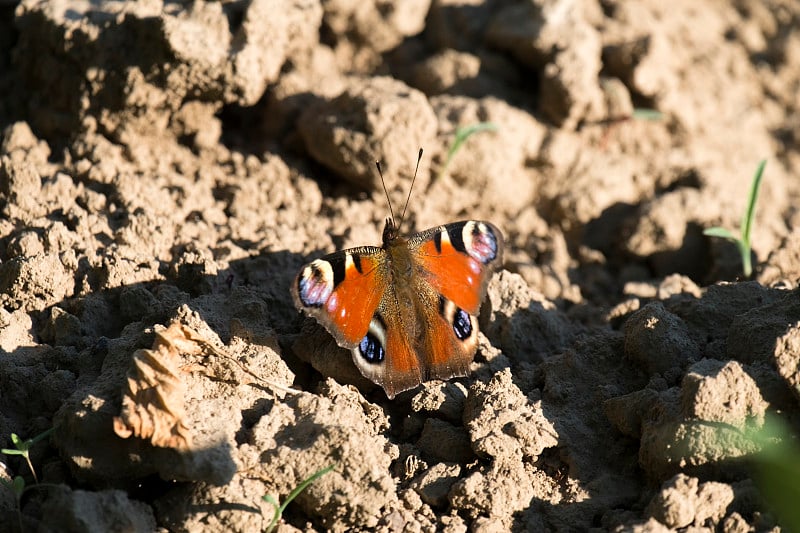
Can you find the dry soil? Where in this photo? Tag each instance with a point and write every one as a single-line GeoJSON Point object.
{"type": "Point", "coordinates": [167, 167]}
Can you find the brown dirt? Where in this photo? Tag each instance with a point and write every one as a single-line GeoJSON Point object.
{"type": "Point", "coordinates": [178, 162]}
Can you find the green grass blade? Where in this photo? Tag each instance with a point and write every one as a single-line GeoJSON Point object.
{"type": "Point", "coordinates": [292, 495]}
{"type": "Point", "coordinates": [461, 135]}
{"type": "Point", "coordinates": [464, 133]}
{"type": "Point", "coordinates": [749, 214]}
{"type": "Point", "coordinates": [747, 263]}
{"type": "Point", "coordinates": [276, 512]}
{"type": "Point", "coordinates": [646, 114]}
{"type": "Point", "coordinates": [40, 436]}
{"type": "Point", "coordinates": [301, 487]}
{"type": "Point", "coordinates": [721, 232]}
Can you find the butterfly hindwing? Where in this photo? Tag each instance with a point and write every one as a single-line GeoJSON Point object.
{"type": "Point", "coordinates": [342, 291]}
{"type": "Point", "coordinates": [386, 355]}
{"type": "Point", "coordinates": [416, 335]}
{"type": "Point", "coordinates": [451, 341]}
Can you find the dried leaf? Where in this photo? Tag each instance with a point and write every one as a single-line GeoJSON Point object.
{"type": "Point", "coordinates": [152, 407]}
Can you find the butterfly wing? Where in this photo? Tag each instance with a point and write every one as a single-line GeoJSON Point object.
{"type": "Point", "coordinates": [387, 354]}
{"type": "Point", "coordinates": [352, 293]}
{"type": "Point", "coordinates": [458, 260]}
{"type": "Point", "coordinates": [343, 290]}
{"type": "Point", "coordinates": [450, 342]}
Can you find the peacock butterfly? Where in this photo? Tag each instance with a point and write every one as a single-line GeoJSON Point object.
{"type": "Point", "coordinates": [407, 309]}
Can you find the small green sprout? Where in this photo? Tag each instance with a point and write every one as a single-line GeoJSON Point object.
{"type": "Point", "coordinates": [17, 488]}
{"type": "Point", "coordinates": [23, 448]}
{"type": "Point", "coordinates": [778, 470]}
{"type": "Point", "coordinates": [462, 134]}
{"type": "Point", "coordinates": [772, 457]}
{"type": "Point", "coordinates": [279, 508]}
{"type": "Point", "coordinates": [743, 241]}
{"type": "Point", "coordinates": [17, 485]}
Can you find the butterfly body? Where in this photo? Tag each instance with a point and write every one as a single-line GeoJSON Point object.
{"type": "Point", "coordinates": [406, 310]}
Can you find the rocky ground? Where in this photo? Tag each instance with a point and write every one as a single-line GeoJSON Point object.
{"type": "Point", "coordinates": [166, 168]}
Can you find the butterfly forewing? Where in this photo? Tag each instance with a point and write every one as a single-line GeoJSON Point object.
{"type": "Point", "coordinates": [458, 260]}
{"type": "Point", "coordinates": [342, 291]}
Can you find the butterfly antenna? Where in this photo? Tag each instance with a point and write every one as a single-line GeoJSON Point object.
{"type": "Point", "coordinates": [403, 216]}
{"type": "Point", "coordinates": [383, 182]}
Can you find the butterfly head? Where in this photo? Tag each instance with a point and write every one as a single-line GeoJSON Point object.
{"type": "Point", "coordinates": [391, 231]}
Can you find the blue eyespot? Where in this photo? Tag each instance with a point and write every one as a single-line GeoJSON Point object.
{"type": "Point", "coordinates": [462, 325]}
{"type": "Point", "coordinates": [371, 349]}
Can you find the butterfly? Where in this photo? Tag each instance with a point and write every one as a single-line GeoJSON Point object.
{"type": "Point", "coordinates": [408, 309]}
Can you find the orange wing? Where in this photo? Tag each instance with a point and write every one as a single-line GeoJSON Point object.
{"type": "Point", "coordinates": [450, 342]}
{"type": "Point", "coordinates": [386, 355]}
{"type": "Point", "coordinates": [342, 291]}
{"type": "Point", "coordinates": [458, 259]}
